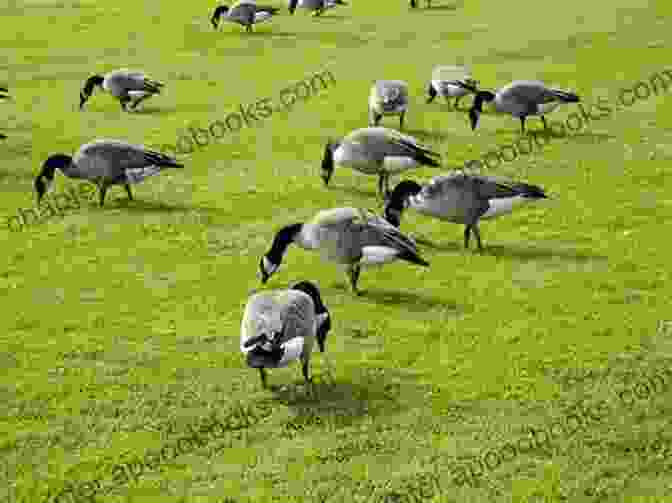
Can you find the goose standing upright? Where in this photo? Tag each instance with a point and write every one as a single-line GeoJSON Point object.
{"type": "Point", "coordinates": [244, 12]}
{"type": "Point", "coordinates": [520, 98]}
{"type": "Point", "coordinates": [280, 326]}
{"type": "Point", "coordinates": [461, 198]}
{"type": "Point", "coordinates": [346, 236]}
{"type": "Point", "coordinates": [388, 97]}
{"type": "Point", "coordinates": [125, 85]}
{"type": "Point", "coordinates": [105, 163]}
{"type": "Point", "coordinates": [317, 6]}
{"type": "Point", "coordinates": [4, 96]}
{"type": "Point", "coordinates": [440, 83]}
{"type": "Point", "coordinates": [376, 151]}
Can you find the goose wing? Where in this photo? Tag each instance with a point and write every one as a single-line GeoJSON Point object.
{"type": "Point", "coordinates": [110, 159]}
{"type": "Point", "coordinates": [376, 231]}
{"type": "Point", "coordinates": [381, 142]}
{"type": "Point", "coordinates": [528, 91]}
{"type": "Point", "coordinates": [491, 187]}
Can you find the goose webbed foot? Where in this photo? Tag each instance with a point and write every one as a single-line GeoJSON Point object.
{"type": "Point", "coordinates": [353, 276]}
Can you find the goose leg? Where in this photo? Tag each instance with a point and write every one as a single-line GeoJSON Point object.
{"type": "Point", "coordinates": [135, 104]}
{"type": "Point", "coordinates": [522, 125]}
{"type": "Point", "coordinates": [401, 120]}
{"type": "Point", "coordinates": [387, 186]}
{"type": "Point", "coordinates": [543, 120]}
{"type": "Point", "coordinates": [456, 105]}
{"type": "Point", "coordinates": [353, 276]}
{"type": "Point", "coordinates": [305, 368]}
{"type": "Point", "coordinates": [262, 373]}
{"type": "Point", "coordinates": [376, 118]}
{"type": "Point", "coordinates": [128, 191]}
{"type": "Point", "coordinates": [477, 233]}
{"type": "Point", "coordinates": [103, 190]}
{"type": "Point", "coordinates": [467, 235]}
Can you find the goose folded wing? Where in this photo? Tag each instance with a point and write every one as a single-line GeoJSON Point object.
{"type": "Point", "coordinates": [490, 187]}
{"type": "Point", "coordinates": [124, 155]}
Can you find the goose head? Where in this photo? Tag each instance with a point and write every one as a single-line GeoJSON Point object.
{"type": "Point", "coordinates": [220, 11]}
{"type": "Point", "coordinates": [46, 177]}
{"type": "Point", "coordinates": [87, 91]}
{"type": "Point", "coordinates": [328, 162]}
{"type": "Point", "coordinates": [398, 200]}
{"type": "Point", "coordinates": [270, 262]}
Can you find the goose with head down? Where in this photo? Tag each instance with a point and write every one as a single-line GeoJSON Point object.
{"type": "Point", "coordinates": [349, 237]}
{"type": "Point", "coordinates": [520, 98]}
{"type": "Point", "coordinates": [318, 7]}
{"type": "Point", "coordinates": [105, 163]}
{"type": "Point", "coordinates": [126, 85]}
{"type": "Point", "coordinates": [461, 198]}
{"type": "Point", "coordinates": [281, 326]}
{"type": "Point", "coordinates": [388, 97]}
{"type": "Point", "coordinates": [245, 13]}
{"type": "Point", "coordinates": [376, 151]}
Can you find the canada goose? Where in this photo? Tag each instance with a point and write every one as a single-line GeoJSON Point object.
{"type": "Point", "coordinates": [4, 96]}
{"type": "Point", "coordinates": [388, 97]}
{"type": "Point", "coordinates": [440, 83]}
{"type": "Point", "coordinates": [347, 236]}
{"type": "Point", "coordinates": [125, 85]}
{"type": "Point", "coordinates": [105, 163]}
{"type": "Point", "coordinates": [281, 326]}
{"type": "Point", "coordinates": [317, 6]}
{"type": "Point", "coordinates": [461, 198]}
{"type": "Point", "coordinates": [520, 98]}
{"type": "Point", "coordinates": [245, 12]}
{"type": "Point", "coordinates": [376, 151]}
{"type": "Point", "coordinates": [414, 4]}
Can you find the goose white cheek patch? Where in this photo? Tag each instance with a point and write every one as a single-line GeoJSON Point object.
{"type": "Point", "coordinates": [293, 349]}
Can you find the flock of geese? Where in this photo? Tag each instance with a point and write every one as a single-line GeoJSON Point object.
{"type": "Point", "coordinates": [279, 327]}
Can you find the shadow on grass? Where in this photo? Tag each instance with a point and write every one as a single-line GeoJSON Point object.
{"type": "Point", "coordinates": [413, 301]}
{"type": "Point", "coordinates": [531, 253]}
{"type": "Point", "coordinates": [428, 136]}
{"type": "Point", "coordinates": [150, 206]}
{"type": "Point", "coordinates": [154, 110]}
{"type": "Point", "coordinates": [357, 192]}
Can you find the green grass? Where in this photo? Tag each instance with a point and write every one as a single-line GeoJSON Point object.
{"type": "Point", "coordinates": [121, 319]}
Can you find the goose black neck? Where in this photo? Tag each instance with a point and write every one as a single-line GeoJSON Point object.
{"type": "Point", "coordinates": [482, 96]}
{"type": "Point", "coordinates": [92, 82]}
{"type": "Point", "coordinates": [219, 11]}
{"type": "Point", "coordinates": [282, 240]}
{"type": "Point", "coordinates": [54, 162]}
{"type": "Point", "coordinates": [328, 159]}
{"type": "Point", "coordinates": [401, 192]}
{"type": "Point", "coordinates": [311, 289]}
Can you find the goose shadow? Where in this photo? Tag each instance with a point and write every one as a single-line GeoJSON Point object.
{"type": "Point", "coordinates": [448, 246]}
{"type": "Point", "coordinates": [533, 253]}
{"type": "Point", "coordinates": [411, 301]}
{"type": "Point", "coordinates": [452, 7]}
{"type": "Point", "coordinates": [151, 206]}
{"type": "Point", "coordinates": [345, 401]}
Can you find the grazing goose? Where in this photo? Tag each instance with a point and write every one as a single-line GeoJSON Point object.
{"type": "Point", "coordinates": [347, 236]}
{"type": "Point", "coordinates": [462, 199]}
{"type": "Point", "coordinates": [388, 97]}
{"type": "Point", "coordinates": [520, 98]}
{"type": "Point", "coordinates": [245, 12]}
{"type": "Point", "coordinates": [105, 163]}
{"type": "Point", "coordinates": [317, 6]}
{"type": "Point", "coordinates": [376, 151]}
{"type": "Point", "coordinates": [440, 84]}
{"type": "Point", "coordinates": [4, 96]}
{"type": "Point", "coordinates": [281, 326]}
{"type": "Point", "coordinates": [125, 85]}
{"type": "Point", "coordinates": [414, 4]}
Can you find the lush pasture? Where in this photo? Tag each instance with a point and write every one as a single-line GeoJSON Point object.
{"type": "Point", "coordinates": [121, 320]}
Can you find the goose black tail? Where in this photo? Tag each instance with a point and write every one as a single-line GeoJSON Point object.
{"type": "Point", "coordinates": [413, 258]}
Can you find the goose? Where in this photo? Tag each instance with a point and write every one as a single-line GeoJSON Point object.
{"type": "Point", "coordinates": [4, 96]}
{"type": "Point", "coordinates": [125, 85]}
{"type": "Point", "coordinates": [520, 98]}
{"type": "Point", "coordinates": [280, 327]}
{"type": "Point", "coordinates": [245, 12]}
{"type": "Point", "coordinates": [105, 163]}
{"type": "Point", "coordinates": [349, 237]}
{"type": "Point", "coordinates": [414, 4]}
{"type": "Point", "coordinates": [376, 151]}
{"type": "Point", "coordinates": [461, 198]}
{"type": "Point", "coordinates": [388, 97]}
{"type": "Point", "coordinates": [317, 6]}
{"type": "Point", "coordinates": [440, 83]}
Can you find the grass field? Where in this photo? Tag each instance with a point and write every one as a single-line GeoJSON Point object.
{"type": "Point", "coordinates": [121, 320]}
